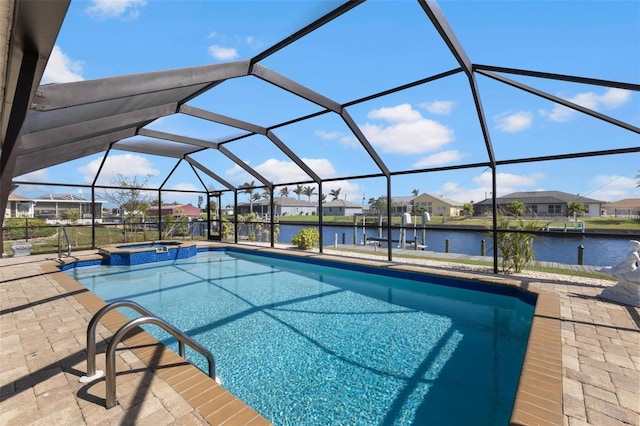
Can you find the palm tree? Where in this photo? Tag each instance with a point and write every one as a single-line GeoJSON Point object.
{"type": "Point", "coordinates": [575, 208]}
{"type": "Point", "coordinates": [309, 191]}
{"type": "Point", "coordinates": [335, 193]}
{"type": "Point", "coordinates": [515, 207]}
{"type": "Point", "coordinates": [467, 209]}
{"type": "Point", "coordinates": [248, 189]}
{"type": "Point", "coordinates": [415, 192]}
{"type": "Point", "coordinates": [372, 203]}
{"type": "Point", "coordinates": [298, 191]}
{"type": "Point", "coordinates": [255, 197]}
{"type": "Point", "coordinates": [284, 191]}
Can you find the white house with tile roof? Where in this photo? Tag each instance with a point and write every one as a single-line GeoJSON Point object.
{"type": "Point", "coordinates": [341, 208]}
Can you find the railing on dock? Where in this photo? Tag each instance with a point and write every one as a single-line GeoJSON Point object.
{"type": "Point", "coordinates": [566, 226]}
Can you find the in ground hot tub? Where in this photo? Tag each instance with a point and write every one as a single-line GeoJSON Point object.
{"type": "Point", "coordinates": [154, 251]}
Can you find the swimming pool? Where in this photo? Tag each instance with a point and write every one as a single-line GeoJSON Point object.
{"type": "Point", "coordinates": [304, 342]}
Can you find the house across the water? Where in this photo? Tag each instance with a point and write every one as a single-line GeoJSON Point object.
{"type": "Point", "coordinates": [54, 208]}
{"type": "Point", "coordinates": [542, 204]}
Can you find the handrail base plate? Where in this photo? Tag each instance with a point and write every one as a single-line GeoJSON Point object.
{"type": "Point", "coordinates": [89, 379]}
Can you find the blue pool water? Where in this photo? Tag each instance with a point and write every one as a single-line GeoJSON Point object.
{"type": "Point", "coordinates": [310, 344]}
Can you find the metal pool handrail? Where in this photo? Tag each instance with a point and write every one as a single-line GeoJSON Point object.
{"type": "Point", "coordinates": [148, 318]}
{"type": "Point", "coordinates": [66, 236]}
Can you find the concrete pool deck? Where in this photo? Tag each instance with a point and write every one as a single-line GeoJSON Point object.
{"type": "Point", "coordinates": [43, 326]}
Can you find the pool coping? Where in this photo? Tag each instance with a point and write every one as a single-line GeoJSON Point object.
{"type": "Point", "coordinates": [539, 396]}
{"type": "Point", "coordinates": [131, 247]}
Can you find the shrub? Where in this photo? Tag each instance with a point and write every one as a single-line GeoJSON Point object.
{"type": "Point", "coordinates": [227, 230]}
{"type": "Point", "coordinates": [306, 238]}
{"type": "Point", "coordinates": [14, 228]}
{"type": "Point", "coordinates": [516, 248]}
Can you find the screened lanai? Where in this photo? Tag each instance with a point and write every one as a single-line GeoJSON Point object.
{"type": "Point", "coordinates": [326, 100]}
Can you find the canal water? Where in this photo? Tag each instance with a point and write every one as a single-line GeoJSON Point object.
{"type": "Point", "coordinates": [553, 247]}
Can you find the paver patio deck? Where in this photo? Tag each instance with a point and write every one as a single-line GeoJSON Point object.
{"type": "Point", "coordinates": [43, 323]}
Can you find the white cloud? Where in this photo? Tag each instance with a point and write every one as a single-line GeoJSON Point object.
{"type": "Point", "coordinates": [612, 188]}
{"type": "Point", "coordinates": [508, 182]}
{"type": "Point", "coordinates": [441, 158]}
{"type": "Point", "coordinates": [181, 197]}
{"type": "Point", "coordinates": [281, 171]}
{"type": "Point", "coordinates": [321, 166]}
{"type": "Point", "coordinates": [348, 191]}
{"type": "Point", "coordinates": [408, 133]}
{"type": "Point", "coordinates": [346, 139]}
{"type": "Point", "coordinates": [587, 100]}
{"type": "Point", "coordinates": [123, 9]}
{"type": "Point", "coordinates": [61, 69]}
{"type": "Point", "coordinates": [185, 187]}
{"type": "Point", "coordinates": [611, 99]}
{"type": "Point", "coordinates": [238, 174]}
{"type": "Point", "coordinates": [513, 123]}
{"type": "Point", "coordinates": [223, 53]}
{"type": "Point", "coordinates": [614, 98]}
{"type": "Point", "coordinates": [438, 107]}
{"type": "Point", "coordinates": [328, 135]}
{"type": "Point", "coordinates": [227, 48]}
{"type": "Point", "coordinates": [288, 171]}
{"type": "Point", "coordinates": [559, 113]}
{"type": "Point", "coordinates": [116, 165]}
{"type": "Point", "coordinates": [455, 191]}
{"type": "Point", "coordinates": [398, 114]}
{"type": "Point", "coordinates": [37, 176]}
{"type": "Point", "coordinates": [253, 43]}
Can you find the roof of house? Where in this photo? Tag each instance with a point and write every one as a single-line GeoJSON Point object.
{"type": "Point", "coordinates": [65, 197]}
{"type": "Point", "coordinates": [624, 203]}
{"type": "Point", "coordinates": [341, 203]}
{"type": "Point", "coordinates": [542, 197]}
{"type": "Point", "coordinates": [60, 197]}
{"type": "Point", "coordinates": [16, 197]}
{"type": "Point", "coordinates": [406, 199]}
{"type": "Point", "coordinates": [187, 209]}
{"type": "Point", "coordinates": [441, 198]}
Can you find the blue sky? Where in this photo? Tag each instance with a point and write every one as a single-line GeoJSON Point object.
{"type": "Point", "coordinates": [376, 46]}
